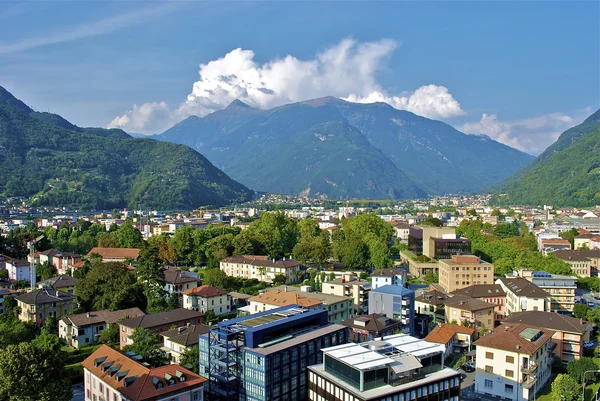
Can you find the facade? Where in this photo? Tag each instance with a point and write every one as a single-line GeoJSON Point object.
{"type": "Point", "coordinates": [62, 283]}
{"type": "Point", "coordinates": [115, 254]}
{"type": "Point", "coordinates": [370, 327]}
{"type": "Point", "coordinates": [158, 323]}
{"type": "Point", "coordinates": [338, 308]}
{"type": "Point", "coordinates": [521, 295]}
{"type": "Point", "coordinates": [207, 297]}
{"type": "Point", "coordinates": [110, 376]}
{"type": "Point", "coordinates": [569, 333]}
{"type": "Point", "coordinates": [381, 277]}
{"type": "Point", "coordinates": [462, 271]}
{"type": "Point", "coordinates": [84, 328]}
{"type": "Point", "coordinates": [18, 270]}
{"type": "Point", "coordinates": [398, 367]}
{"type": "Point", "coordinates": [63, 261]}
{"type": "Point", "coordinates": [479, 315]}
{"type": "Point", "coordinates": [260, 267]}
{"type": "Point", "coordinates": [452, 336]}
{"type": "Point", "coordinates": [401, 230]}
{"type": "Point", "coordinates": [395, 302]}
{"type": "Point", "coordinates": [177, 281]}
{"type": "Point", "coordinates": [555, 244]}
{"type": "Point", "coordinates": [268, 359]}
{"type": "Point", "coordinates": [561, 289]}
{"type": "Point", "coordinates": [584, 263]}
{"type": "Point", "coordinates": [421, 241]}
{"type": "Point", "coordinates": [491, 293]}
{"type": "Point", "coordinates": [432, 304]}
{"type": "Point", "coordinates": [416, 267]}
{"type": "Point", "coordinates": [349, 286]}
{"type": "Point", "coordinates": [514, 362]}
{"type": "Point", "coordinates": [39, 305]}
{"type": "Point", "coordinates": [178, 341]}
{"type": "Point", "coordinates": [47, 255]}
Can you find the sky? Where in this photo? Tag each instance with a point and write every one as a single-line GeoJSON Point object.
{"type": "Point", "coordinates": [519, 72]}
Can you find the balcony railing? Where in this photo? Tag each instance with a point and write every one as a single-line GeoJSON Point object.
{"type": "Point", "coordinates": [530, 369]}
{"type": "Point", "coordinates": [529, 383]}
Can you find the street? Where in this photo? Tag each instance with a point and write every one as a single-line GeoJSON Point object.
{"type": "Point", "coordinates": [78, 393]}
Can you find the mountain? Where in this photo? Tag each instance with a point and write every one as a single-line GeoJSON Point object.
{"type": "Point", "coordinates": [349, 150]}
{"type": "Point", "coordinates": [565, 174]}
{"type": "Point", "coordinates": [44, 156]}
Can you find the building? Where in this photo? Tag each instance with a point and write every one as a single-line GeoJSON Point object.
{"type": "Point", "coordinates": [178, 341]}
{"type": "Point", "coordinates": [521, 295]}
{"type": "Point", "coordinates": [477, 314]}
{"type": "Point", "coordinates": [47, 255]}
{"type": "Point", "coordinates": [584, 263]}
{"type": "Point", "coordinates": [370, 327]}
{"type": "Point", "coordinates": [338, 308]}
{"type": "Point", "coordinates": [418, 266]}
{"type": "Point", "coordinates": [555, 244]}
{"type": "Point", "coordinates": [177, 281]}
{"type": "Point", "coordinates": [437, 242]}
{"type": "Point", "coordinates": [432, 304]}
{"type": "Point", "coordinates": [110, 376]}
{"type": "Point", "coordinates": [395, 302]}
{"type": "Point", "coordinates": [452, 337]}
{"type": "Point", "coordinates": [514, 362]}
{"type": "Point", "coordinates": [62, 283]}
{"type": "Point", "coordinates": [84, 328]}
{"type": "Point", "coordinates": [491, 293]}
{"type": "Point", "coordinates": [39, 305]}
{"type": "Point", "coordinates": [268, 358]}
{"type": "Point", "coordinates": [401, 231]}
{"type": "Point", "coordinates": [260, 267]}
{"type": "Point", "coordinates": [561, 288]}
{"type": "Point", "coordinates": [207, 297]}
{"type": "Point", "coordinates": [569, 333]}
{"type": "Point", "coordinates": [349, 286]}
{"type": "Point", "coordinates": [3, 293]}
{"type": "Point", "coordinates": [18, 270]}
{"type": "Point", "coordinates": [462, 271]}
{"type": "Point", "coordinates": [63, 261]}
{"type": "Point", "coordinates": [382, 277]}
{"type": "Point", "coordinates": [398, 367]}
{"type": "Point", "coordinates": [158, 323]}
{"type": "Point", "coordinates": [121, 255]}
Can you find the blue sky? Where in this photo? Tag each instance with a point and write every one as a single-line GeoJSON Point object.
{"type": "Point", "coordinates": [520, 72]}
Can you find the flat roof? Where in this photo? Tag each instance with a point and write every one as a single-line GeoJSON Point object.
{"type": "Point", "coordinates": [297, 339]}
{"type": "Point", "coordinates": [359, 357]}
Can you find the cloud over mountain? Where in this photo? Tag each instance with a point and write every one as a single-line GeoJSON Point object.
{"type": "Point", "coordinates": [346, 70]}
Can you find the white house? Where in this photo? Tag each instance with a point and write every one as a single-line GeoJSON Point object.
{"type": "Point", "coordinates": [205, 298]}
{"type": "Point", "coordinates": [382, 277]}
{"type": "Point", "coordinates": [18, 269]}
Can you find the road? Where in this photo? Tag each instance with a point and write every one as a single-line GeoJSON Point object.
{"type": "Point", "coordinates": [78, 393]}
{"type": "Point", "coordinates": [586, 296]}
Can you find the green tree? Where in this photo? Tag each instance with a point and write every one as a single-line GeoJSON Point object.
{"type": "Point", "coordinates": [216, 278]}
{"type": "Point", "coordinates": [594, 315]}
{"type": "Point", "coordinates": [128, 236]}
{"type": "Point", "coordinates": [570, 235]}
{"type": "Point", "coordinates": [190, 359]}
{"type": "Point", "coordinates": [578, 367]}
{"type": "Point", "coordinates": [506, 230]}
{"type": "Point", "coordinates": [431, 278]}
{"type": "Point", "coordinates": [31, 371]}
{"type": "Point", "coordinates": [565, 388]}
{"type": "Point", "coordinates": [147, 344]}
{"type": "Point", "coordinates": [10, 305]}
{"type": "Point", "coordinates": [45, 271]}
{"type": "Point", "coordinates": [108, 240]}
{"type": "Point", "coordinates": [276, 234]}
{"type": "Point", "coordinates": [151, 276]}
{"type": "Point", "coordinates": [110, 335]}
{"type": "Point", "coordinates": [3, 274]}
{"type": "Point", "coordinates": [580, 311]}
{"type": "Point", "coordinates": [219, 248]}
{"type": "Point", "coordinates": [109, 286]}
{"type": "Point", "coordinates": [13, 331]}
{"type": "Point", "coordinates": [279, 279]}
{"type": "Point", "coordinates": [173, 302]}
{"type": "Point", "coordinates": [379, 254]}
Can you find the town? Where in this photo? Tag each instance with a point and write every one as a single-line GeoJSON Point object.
{"type": "Point", "coordinates": [288, 298]}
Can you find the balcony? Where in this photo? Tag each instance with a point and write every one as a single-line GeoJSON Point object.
{"type": "Point", "coordinates": [529, 369]}
{"type": "Point", "coordinates": [404, 312]}
{"type": "Point", "coordinates": [404, 320]}
{"type": "Point", "coordinates": [529, 383]}
{"type": "Point", "coordinates": [405, 302]}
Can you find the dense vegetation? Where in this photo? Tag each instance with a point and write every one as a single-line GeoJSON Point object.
{"type": "Point", "coordinates": [340, 149]}
{"type": "Point", "coordinates": [46, 157]}
{"type": "Point", "coordinates": [566, 174]}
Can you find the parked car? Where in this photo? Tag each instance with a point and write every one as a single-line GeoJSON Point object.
{"type": "Point", "coordinates": [468, 367]}
{"type": "Point", "coordinates": [591, 304]}
{"type": "Point", "coordinates": [588, 344]}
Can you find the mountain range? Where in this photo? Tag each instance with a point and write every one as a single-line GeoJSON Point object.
{"type": "Point", "coordinates": [567, 173]}
{"type": "Point", "coordinates": [345, 150]}
{"type": "Point", "coordinates": [44, 156]}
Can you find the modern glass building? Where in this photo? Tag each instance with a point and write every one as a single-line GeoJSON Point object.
{"type": "Point", "coordinates": [264, 356]}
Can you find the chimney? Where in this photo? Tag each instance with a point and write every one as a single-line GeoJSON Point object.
{"type": "Point", "coordinates": [88, 315]}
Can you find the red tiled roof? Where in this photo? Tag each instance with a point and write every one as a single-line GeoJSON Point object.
{"type": "Point", "coordinates": [283, 298]}
{"type": "Point", "coordinates": [116, 253]}
{"type": "Point", "coordinates": [206, 291]}
{"type": "Point", "coordinates": [444, 333]}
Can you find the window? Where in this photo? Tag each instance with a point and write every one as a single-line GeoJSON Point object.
{"type": "Point", "coordinates": [489, 369]}
{"type": "Point", "coordinates": [510, 359]}
{"type": "Point", "coordinates": [489, 384]}
{"type": "Point", "coordinates": [508, 388]}
{"type": "Point", "coordinates": [509, 373]}
{"type": "Point", "coordinates": [489, 355]}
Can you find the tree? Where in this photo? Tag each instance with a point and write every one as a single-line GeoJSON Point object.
{"type": "Point", "coordinates": [45, 271]}
{"type": "Point", "coordinates": [151, 276]}
{"type": "Point", "coordinates": [3, 274]}
{"type": "Point", "coordinates": [109, 286]}
{"type": "Point", "coordinates": [580, 311]}
{"type": "Point", "coordinates": [594, 315]}
{"type": "Point", "coordinates": [128, 236]}
{"type": "Point", "coordinates": [578, 367]}
{"type": "Point", "coordinates": [565, 388]}
{"type": "Point", "coordinates": [279, 279]}
{"type": "Point", "coordinates": [379, 254]}
{"type": "Point", "coordinates": [431, 278]}
{"type": "Point", "coordinates": [147, 344]}
{"type": "Point", "coordinates": [506, 230]}
{"type": "Point", "coordinates": [108, 240]}
{"type": "Point", "coordinates": [110, 335]}
{"type": "Point", "coordinates": [10, 305]}
{"type": "Point", "coordinates": [216, 278]}
{"type": "Point", "coordinates": [275, 233]}
{"type": "Point", "coordinates": [13, 331]}
{"type": "Point", "coordinates": [570, 235]}
{"type": "Point", "coordinates": [190, 359]}
{"type": "Point", "coordinates": [33, 371]}
{"type": "Point", "coordinates": [173, 302]}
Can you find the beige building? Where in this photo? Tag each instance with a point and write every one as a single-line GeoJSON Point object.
{"type": "Point", "coordinates": [260, 267]}
{"type": "Point", "coordinates": [584, 263]}
{"type": "Point", "coordinates": [432, 303]}
{"type": "Point", "coordinates": [561, 288]}
{"type": "Point", "coordinates": [521, 295]}
{"type": "Point", "coordinates": [350, 286]}
{"type": "Point", "coordinates": [461, 271]}
{"type": "Point", "coordinates": [474, 313]}
{"type": "Point", "coordinates": [417, 268]}
{"type": "Point", "coordinates": [177, 341]}
{"type": "Point", "coordinates": [205, 298]}
{"type": "Point", "coordinates": [513, 362]}
{"type": "Point", "coordinates": [39, 305]}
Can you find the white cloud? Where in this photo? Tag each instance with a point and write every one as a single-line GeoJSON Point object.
{"type": "Point", "coordinates": [346, 70]}
{"type": "Point", "coordinates": [532, 135]}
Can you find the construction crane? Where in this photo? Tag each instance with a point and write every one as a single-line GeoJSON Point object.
{"type": "Point", "coordinates": [32, 271]}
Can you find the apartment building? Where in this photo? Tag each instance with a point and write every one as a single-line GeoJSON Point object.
{"type": "Point", "coordinates": [350, 286]}
{"type": "Point", "coordinates": [490, 293]}
{"type": "Point", "coordinates": [522, 295]}
{"type": "Point", "coordinates": [513, 362]}
{"type": "Point", "coordinates": [584, 263]}
{"type": "Point", "coordinates": [260, 267]}
{"type": "Point", "coordinates": [555, 244]}
{"type": "Point", "coordinates": [271, 353]}
{"type": "Point", "coordinates": [370, 327]}
{"type": "Point", "coordinates": [462, 271]}
{"type": "Point", "coordinates": [432, 304]}
{"type": "Point", "coordinates": [472, 312]}
{"type": "Point", "coordinates": [115, 254]}
{"type": "Point", "coordinates": [207, 297]}
{"type": "Point", "coordinates": [177, 281]}
{"type": "Point", "coordinates": [177, 341]}
{"type": "Point", "coordinates": [39, 305]}
{"type": "Point", "coordinates": [18, 270]}
{"type": "Point", "coordinates": [62, 283]}
{"type": "Point", "coordinates": [395, 302]}
{"type": "Point", "coordinates": [569, 333]}
{"type": "Point", "coordinates": [398, 367]}
{"type": "Point", "coordinates": [381, 277]}
{"type": "Point", "coordinates": [561, 288]}
{"type": "Point", "coordinates": [110, 376]}
{"type": "Point", "coordinates": [452, 337]}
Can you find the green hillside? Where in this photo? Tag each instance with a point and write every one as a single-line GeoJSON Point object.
{"type": "Point", "coordinates": [44, 156]}
{"type": "Point", "coordinates": [566, 174]}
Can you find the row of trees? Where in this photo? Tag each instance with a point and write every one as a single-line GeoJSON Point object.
{"type": "Point", "coordinates": [567, 387]}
